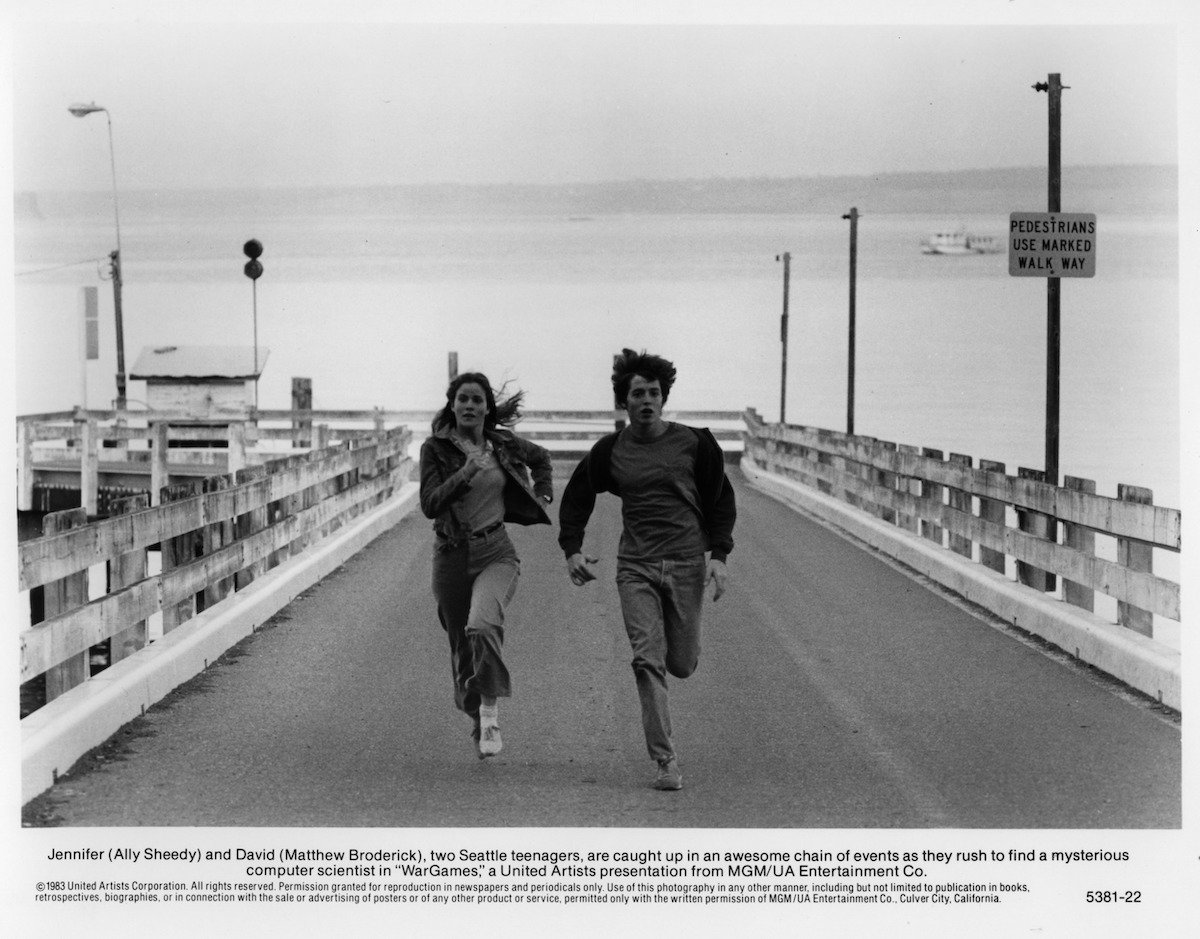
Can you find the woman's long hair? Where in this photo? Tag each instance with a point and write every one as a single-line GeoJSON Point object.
{"type": "Point", "coordinates": [505, 413]}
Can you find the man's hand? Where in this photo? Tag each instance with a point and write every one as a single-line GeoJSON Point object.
{"type": "Point", "coordinates": [716, 573]}
{"type": "Point", "coordinates": [577, 568]}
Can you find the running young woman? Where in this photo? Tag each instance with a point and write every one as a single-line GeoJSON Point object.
{"type": "Point", "coordinates": [476, 476]}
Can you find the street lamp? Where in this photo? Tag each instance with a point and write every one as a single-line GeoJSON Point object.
{"type": "Point", "coordinates": [83, 110]}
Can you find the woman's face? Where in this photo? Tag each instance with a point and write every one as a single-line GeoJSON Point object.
{"type": "Point", "coordinates": [470, 406]}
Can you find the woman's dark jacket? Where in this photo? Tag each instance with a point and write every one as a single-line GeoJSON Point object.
{"type": "Point", "coordinates": [443, 481]}
{"type": "Point", "coordinates": [594, 474]}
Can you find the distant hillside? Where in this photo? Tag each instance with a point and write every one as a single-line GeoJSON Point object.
{"type": "Point", "coordinates": [1111, 189]}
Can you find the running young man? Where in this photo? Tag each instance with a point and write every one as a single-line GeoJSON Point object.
{"type": "Point", "coordinates": [676, 506]}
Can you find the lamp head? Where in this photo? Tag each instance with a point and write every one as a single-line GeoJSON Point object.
{"type": "Point", "coordinates": [83, 110]}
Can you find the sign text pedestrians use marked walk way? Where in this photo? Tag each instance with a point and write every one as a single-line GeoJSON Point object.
{"type": "Point", "coordinates": [1052, 244]}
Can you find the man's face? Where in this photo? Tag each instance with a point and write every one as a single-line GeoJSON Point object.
{"type": "Point", "coordinates": [644, 403]}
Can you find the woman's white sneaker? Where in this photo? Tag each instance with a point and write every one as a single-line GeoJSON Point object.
{"type": "Point", "coordinates": [489, 740]}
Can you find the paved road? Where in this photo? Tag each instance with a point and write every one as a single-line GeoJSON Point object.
{"type": "Point", "coordinates": [834, 691]}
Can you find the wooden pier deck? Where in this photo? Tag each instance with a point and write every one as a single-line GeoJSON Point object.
{"type": "Point", "coordinates": [1065, 565]}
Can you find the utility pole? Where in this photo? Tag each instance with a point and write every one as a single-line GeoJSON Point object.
{"type": "Point", "coordinates": [852, 215]}
{"type": "Point", "coordinates": [1053, 86]}
{"type": "Point", "coordinates": [783, 335]}
{"type": "Point", "coordinates": [115, 257]}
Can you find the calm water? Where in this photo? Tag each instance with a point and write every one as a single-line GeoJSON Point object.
{"type": "Point", "coordinates": [950, 351]}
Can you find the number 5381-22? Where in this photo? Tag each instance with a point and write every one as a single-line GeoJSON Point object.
{"type": "Point", "coordinates": [1114, 896]}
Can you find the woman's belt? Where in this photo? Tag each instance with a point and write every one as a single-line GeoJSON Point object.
{"type": "Point", "coordinates": [484, 532]}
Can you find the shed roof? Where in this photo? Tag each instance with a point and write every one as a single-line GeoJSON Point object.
{"type": "Point", "coordinates": [198, 362]}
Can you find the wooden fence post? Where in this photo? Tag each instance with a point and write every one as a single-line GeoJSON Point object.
{"type": "Point", "coordinates": [301, 401]}
{"type": "Point", "coordinates": [961, 501]}
{"type": "Point", "coordinates": [352, 479]}
{"type": "Point", "coordinates": [277, 512]}
{"type": "Point", "coordinates": [69, 593]}
{"type": "Point", "coordinates": [160, 474]}
{"type": "Point", "coordinates": [24, 466]}
{"type": "Point", "coordinates": [214, 537]}
{"type": "Point", "coordinates": [1137, 556]}
{"type": "Point", "coordinates": [803, 460]}
{"type": "Point", "coordinates": [859, 470]}
{"type": "Point", "coordinates": [824, 458]}
{"type": "Point", "coordinates": [1083, 540]}
{"type": "Point", "coordinates": [237, 447]}
{"type": "Point", "coordinates": [124, 570]}
{"type": "Point", "coordinates": [909, 485]}
{"type": "Point", "coordinates": [89, 467]}
{"type": "Point", "coordinates": [847, 469]}
{"type": "Point", "coordinates": [1040, 526]}
{"type": "Point", "coordinates": [177, 552]}
{"type": "Point", "coordinates": [931, 498]}
{"type": "Point", "coordinates": [886, 479]}
{"type": "Point", "coordinates": [992, 510]}
{"type": "Point", "coordinates": [251, 523]}
{"type": "Point", "coordinates": [297, 503]}
{"type": "Point", "coordinates": [768, 454]}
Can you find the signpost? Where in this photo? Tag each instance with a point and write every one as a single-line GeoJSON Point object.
{"type": "Point", "coordinates": [253, 249]}
{"type": "Point", "coordinates": [1053, 245]}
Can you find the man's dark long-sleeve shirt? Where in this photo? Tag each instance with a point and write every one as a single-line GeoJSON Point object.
{"type": "Point", "coordinates": [593, 475]}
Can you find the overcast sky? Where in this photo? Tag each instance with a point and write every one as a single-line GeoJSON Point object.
{"type": "Point", "coordinates": [253, 94]}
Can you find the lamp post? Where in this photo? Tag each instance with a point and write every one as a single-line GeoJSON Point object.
{"type": "Point", "coordinates": [83, 110]}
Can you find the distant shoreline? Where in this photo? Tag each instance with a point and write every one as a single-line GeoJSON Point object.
{"type": "Point", "coordinates": [1148, 189]}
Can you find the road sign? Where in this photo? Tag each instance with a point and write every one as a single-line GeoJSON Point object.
{"type": "Point", "coordinates": [1052, 244]}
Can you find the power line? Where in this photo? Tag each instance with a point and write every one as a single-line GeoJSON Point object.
{"type": "Point", "coordinates": [43, 270]}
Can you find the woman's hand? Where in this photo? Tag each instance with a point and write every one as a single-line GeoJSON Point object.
{"type": "Point", "coordinates": [476, 461]}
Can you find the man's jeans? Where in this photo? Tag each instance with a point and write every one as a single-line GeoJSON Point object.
{"type": "Point", "coordinates": [661, 603]}
{"type": "Point", "coordinates": [473, 583]}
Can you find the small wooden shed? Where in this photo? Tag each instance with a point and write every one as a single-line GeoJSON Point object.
{"type": "Point", "coordinates": [204, 382]}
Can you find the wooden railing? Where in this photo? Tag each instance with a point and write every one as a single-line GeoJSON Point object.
{"type": "Point", "coordinates": [86, 445]}
{"type": "Point", "coordinates": [89, 444]}
{"type": "Point", "coordinates": [213, 535]}
{"type": "Point", "coordinates": [970, 510]}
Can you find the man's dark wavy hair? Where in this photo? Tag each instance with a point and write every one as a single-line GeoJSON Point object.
{"type": "Point", "coordinates": [650, 367]}
{"type": "Point", "coordinates": [505, 413]}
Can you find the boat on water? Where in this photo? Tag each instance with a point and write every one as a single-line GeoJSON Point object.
{"type": "Point", "coordinates": [960, 241]}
